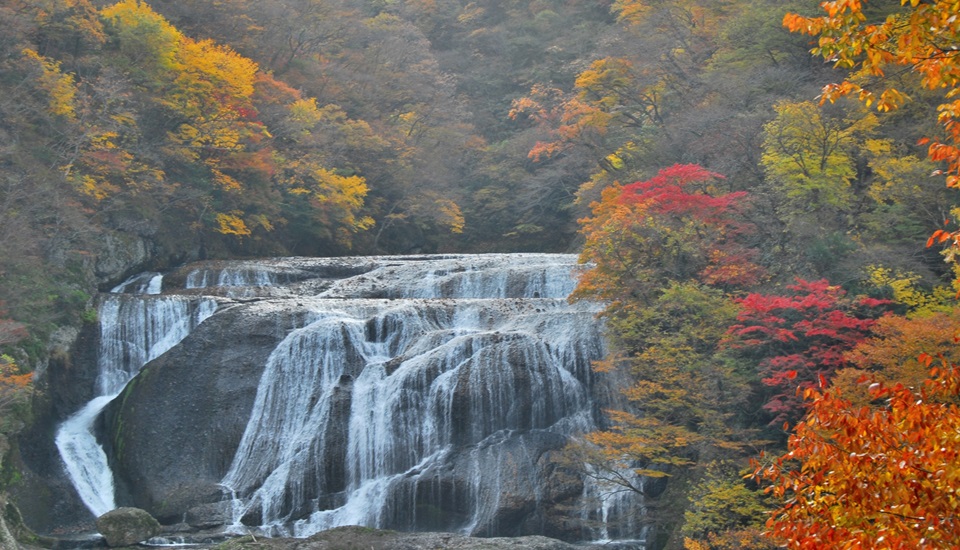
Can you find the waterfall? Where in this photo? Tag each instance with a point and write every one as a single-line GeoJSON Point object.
{"type": "Point", "coordinates": [459, 365]}
{"type": "Point", "coordinates": [239, 279]}
{"type": "Point", "coordinates": [405, 392]}
{"type": "Point", "coordinates": [145, 283]}
{"type": "Point", "coordinates": [610, 508]}
{"type": "Point", "coordinates": [134, 329]}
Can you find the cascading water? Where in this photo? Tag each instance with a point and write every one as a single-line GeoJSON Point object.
{"type": "Point", "coordinates": [133, 330]}
{"type": "Point", "coordinates": [411, 393]}
{"type": "Point", "coordinates": [458, 363]}
{"type": "Point", "coordinates": [610, 512]}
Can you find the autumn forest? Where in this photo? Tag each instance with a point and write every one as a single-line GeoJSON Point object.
{"type": "Point", "coordinates": [766, 191]}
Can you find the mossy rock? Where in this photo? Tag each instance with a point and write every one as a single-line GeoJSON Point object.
{"type": "Point", "coordinates": [127, 526]}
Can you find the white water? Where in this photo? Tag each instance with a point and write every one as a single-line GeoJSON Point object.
{"type": "Point", "coordinates": [133, 331]}
{"type": "Point", "coordinates": [612, 511]}
{"type": "Point", "coordinates": [237, 280]}
{"type": "Point", "coordinates": [465, 353]}
{"type": "Point", "coordinates": [424, 386]}
{"type": "Point", "coordinates": [144, 283]}
{"type": "Point", "coordinates": [84, 459]}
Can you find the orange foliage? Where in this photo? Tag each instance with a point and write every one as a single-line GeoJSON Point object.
{"type": "Point", "coordinates": [747, 538]}
{"type": "Point", "coordinates": [14, 386]}
{"type": "Point", "coordinates": [13, 383]}
{"type": "Point", "coordinates": [608, 96]}
{"type": "Point", "coordinates": [11, 380]}
{"type": "Point", "coordinates": [890, 354]}
{"type": "Point", "coordinates": [875, 476]}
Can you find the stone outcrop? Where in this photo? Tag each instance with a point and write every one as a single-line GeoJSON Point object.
{"type": "Point", "coordinates": [185, 413]}
{"type": "Point", "coordinates": [127, 526]}
{"type": "Point", "coordinates": [119, 254]}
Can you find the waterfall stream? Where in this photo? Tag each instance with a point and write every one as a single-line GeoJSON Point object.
{"type": "Point", "coordinates": [133, 330]}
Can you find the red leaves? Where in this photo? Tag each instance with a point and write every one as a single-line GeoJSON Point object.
{"type": "Point", "coordinates": [680, 190]}
{"type": "Point", "coordinates": [667, 228]}
{"type": "Point", "coordinates": [799, 340]}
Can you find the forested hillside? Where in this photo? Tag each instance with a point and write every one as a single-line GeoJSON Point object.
{"type": "Point", "coordinates": [748, 238]}
{"type": "Point", "coordinates": [213, 129]}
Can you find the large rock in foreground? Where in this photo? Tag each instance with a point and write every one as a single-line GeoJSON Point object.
{"type": "Point", "coordinates": [127, 526]}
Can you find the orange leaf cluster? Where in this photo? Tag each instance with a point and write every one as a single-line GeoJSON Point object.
{"type": "Point", "coordinates": [872, 476]}
{"type": "Point", "coordinates": [665, 229]}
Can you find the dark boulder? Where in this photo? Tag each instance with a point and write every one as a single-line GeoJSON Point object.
{"type": "Point", "coordinates": [186, 412]}
{"type": "Point", "coordinates": [209, 516]}
{"type": "Point", "coordinates": [127, 526]}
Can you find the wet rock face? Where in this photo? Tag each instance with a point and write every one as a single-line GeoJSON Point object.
{"type": "Point", "coordinates": [118, 254]}
{"type": "Point", "coordinates": [73, 373]}
{"type": "Point", "coordinates": [173, 432]}
{"type": "Point", "coordinates": [415, 393]}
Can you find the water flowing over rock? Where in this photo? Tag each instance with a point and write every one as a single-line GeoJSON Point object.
{"type": "Point", "coordinates": [133, 330]}
{"type": "Point", "coordinates": [411, 393]}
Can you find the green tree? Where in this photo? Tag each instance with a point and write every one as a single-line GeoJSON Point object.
{"type": "Point", "coordinates": [812, 159]}
{"type": "Point", "coordinates": [872, 44]}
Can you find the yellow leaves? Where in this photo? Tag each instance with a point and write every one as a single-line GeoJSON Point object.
{"type": "Point", "coordinates": [810, 157]}
{"type": "Point", "coordinates": [605, 75]}
{"type": "Point", "coordinates": [158, 100]}
{"type": "Point", "coordinates": [344, 190]}
{"type": "Point", "coordinates": [216, 69]}
{"type": "Point", "coordinates": [208, 85]}
{"type": "Point", "coordinates": [261, 221]}
{"type": "Point", "coordinates": [147, 39]}
{"type": "Point", "coordinates": [60, 88]}
{"type": "Point", "coordinates": [334, 198]}
{"type": "Point", "coordinates": [605, 83]}
{"type": "Point", "coordinates": [96, 188]}
{"type": "Point", "coordinates": [225, 182]}
{"type": "Point", "coordinates": [68, 26]}
{"type": "Point", "coordinates": [920, 36]}
{"type": "Point", "coordinates": [632, 11]}
{"type": "Point", "coordinates": [303, 115]}
{"type": "Point", "coordinates": [614, 161]}
{"type": "Point", "coordinates": [907, 292]}
{"type": "Point", "coordinates": [232, 224]}
{"type": "Point", "coordinates": [450, 215]}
